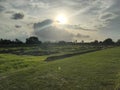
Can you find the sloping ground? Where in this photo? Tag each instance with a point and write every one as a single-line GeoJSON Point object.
{"type": "Point", "coordinates": [93, 71]}
{"type": "Point", "coordinates": [44, 49]}
{"type": "Point", "coordinates": [57, 57]}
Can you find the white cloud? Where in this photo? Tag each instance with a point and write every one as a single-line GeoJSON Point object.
{"type": "Point", "coordinates": [90, 14]}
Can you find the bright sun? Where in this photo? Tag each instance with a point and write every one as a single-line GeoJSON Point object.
{"type": "Point", "coordinates": [61, 19]}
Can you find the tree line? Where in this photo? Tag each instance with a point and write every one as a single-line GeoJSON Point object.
{"type": "Point", "coordinates": [107, 41]}
{"type": "Point", "coordinates": [34, 40]}
{"type": "Point", "coordinates": [17, 42]}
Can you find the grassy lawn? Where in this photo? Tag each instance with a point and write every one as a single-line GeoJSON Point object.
{"type": "Point", "coordinates": [92, 71]}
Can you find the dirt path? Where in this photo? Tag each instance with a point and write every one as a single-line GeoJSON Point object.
{"type": "Point", "coordinates": [53, 58]}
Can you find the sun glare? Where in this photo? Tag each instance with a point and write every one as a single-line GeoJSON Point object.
{"type": "Point", "coordinates": [61, 19]}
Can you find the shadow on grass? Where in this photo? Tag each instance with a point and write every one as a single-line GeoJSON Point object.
{"type": "Point", "coordinates": [53, 58]}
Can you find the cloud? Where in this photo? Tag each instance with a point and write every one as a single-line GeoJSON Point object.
{"type": "Point", "coordinates": [76, 27]}
{"type": "Point", "coordinates": [48, 32]}
{"type": "Point", "coordinates": [44, 24]}
{"type": "Point", "coordinates": [11, 11]}
{"type": "Point", "coordinates": [1, 8]}
{"type": "Point", "coordinates": [2, 0]}
{"type": "Point", "coordinates": [83, 15]}
{"type": "Point", "coordinates": [55, 34]}
{"type": "Point", "coordinates": [18, 16]}
{"type": "Point", "coordinates": [18, 26]}
{"type": "Point", "coordinates": [39, 5]}
{"type": "Point", "coordinates": [8, 28]}
{"type": "Point", "coordinates": [82, 36]}
{"type": "Point", "coordinates": [107, 16]}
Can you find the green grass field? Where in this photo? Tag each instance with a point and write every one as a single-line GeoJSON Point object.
{"type": "Point", "coordinates": [98, 70]}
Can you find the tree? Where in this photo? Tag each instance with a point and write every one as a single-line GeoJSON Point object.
{"type": "Point", "coordinates": [33, 40]}
{"type": "Point", "coordinates": [17, 41]}
{"type": "Point", "coordinates": [118, 42]}
{"type": "Point", "coordinates": [62, 42]}
{"type": "Point", "coordinates": [108, 41]}
{"type": "Point", "coordinates": [82, 41]}
{"type": "Point", "coordinates": [5, 42]}
{"type": "Point", "coordinates": [95, 42]}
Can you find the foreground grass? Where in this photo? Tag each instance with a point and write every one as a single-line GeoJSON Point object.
{"type": "Point", "coordinates": [11, 63]}
{"type": "Point", "coordinates": [93, 71]}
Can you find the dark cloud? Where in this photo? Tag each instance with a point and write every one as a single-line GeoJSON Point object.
{"type": "Point", "coordinates": [54, 34]}
{"type": "Point", "coordinates": [2, 0]}
{"type": "Point", "coordinates": [83, 36]}
{"type": "Point", "coordinates": [77, 27]}
{"type": "Point", "coordinates": [18, 26]}
{"type": "Point", "coordinates": [108, 15]}
{"type": "Point", "coordinates": [18, 16]}
{"type": "Point", "coordinates": [1, 8]}
{"type": "Point", "coordinates": [10, 12]}
{"type": "Point", "coordinates": [43, 24]}
{"type": "Point", "coordinates": [45, 31]}
{"type": "Point", "coordinates": [115, 6]}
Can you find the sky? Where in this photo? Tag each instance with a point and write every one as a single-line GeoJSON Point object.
{"type": "Point", "coordinates": [87, 20]}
